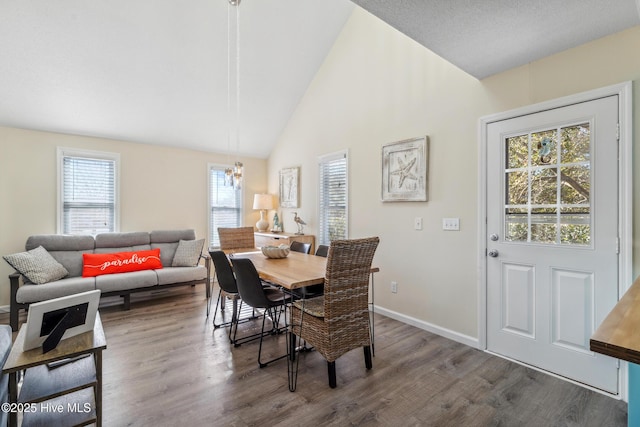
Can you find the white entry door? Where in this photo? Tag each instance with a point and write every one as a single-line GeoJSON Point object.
{"type": "Point", "coordinates": [552, 238]}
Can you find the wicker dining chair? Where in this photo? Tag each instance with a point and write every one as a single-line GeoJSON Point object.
{"type": "Point", "coordinates": [338, 321]}
{"type": "Point", "coordinates": [236, 238]}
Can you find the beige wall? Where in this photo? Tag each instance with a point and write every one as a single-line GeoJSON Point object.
{"type": "Point", "coordinates": [378, 86]}
{"type": "Point", "coordinates": [160, 188]}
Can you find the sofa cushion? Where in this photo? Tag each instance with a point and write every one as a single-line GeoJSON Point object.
{"type": "Point", "coordinates": [37, 265]}
{"type": "Point", "coordinates": [169, 275]}
{"type": "Point", "coordinates": [167, 241]}
{"type": "Point", "coordinates": [60, 288]}
{"type": "Point", "coordinates": [126, 281]}
{"type": "Point", "coordinates": [120, 262]}
{"type": "Point", "coordinates": [122, 240]}
{"type": "Point", "coordinates": [188, 253]}
{"type": "Point", "coordinates": [66, 249]}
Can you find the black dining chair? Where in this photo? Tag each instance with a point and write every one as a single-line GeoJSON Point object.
{"type": "Point", "coordinates": [229, 289]}
{"type": "Point", "coordinates": [307, 291]}
{"type": "Point", "coordinates": [304, 248]}
{"type": "Point", "coordinates": [322, 250]}
{"type": "Point", "coordinates": [271, 301]}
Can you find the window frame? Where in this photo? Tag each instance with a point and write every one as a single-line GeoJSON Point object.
{"type": "Point", "coordinates": [211, 233]}
{"type": "Point", "coordinates": [63, 152]}
{"type": "Point", "coordinates": [322, 160]}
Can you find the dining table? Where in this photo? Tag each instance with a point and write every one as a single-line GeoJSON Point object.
{"type": "Point", "coordinates": [296, 270]}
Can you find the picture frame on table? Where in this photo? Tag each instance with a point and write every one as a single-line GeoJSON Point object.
{"type": "Point", "coordinates": [405, 170]}
{"type": "Point", "coordinates": [289, 187]}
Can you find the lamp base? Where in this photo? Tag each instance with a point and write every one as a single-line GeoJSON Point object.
{"type": "Point", "coordinates": [262, 225]}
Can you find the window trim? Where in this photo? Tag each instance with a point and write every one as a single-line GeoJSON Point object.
{"type": "Point", "coordinates": [61, 153]}
{"type": "Point", "coordinates": [325, 159]}
{"type": "Point", "coordinates": [222, 167]}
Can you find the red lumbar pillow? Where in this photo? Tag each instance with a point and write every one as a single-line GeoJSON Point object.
{"type": "Point", "coordinates": [120, 262]}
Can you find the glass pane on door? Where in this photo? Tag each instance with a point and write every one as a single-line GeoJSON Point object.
{"type": "Point", "coordinates": [548, 186]}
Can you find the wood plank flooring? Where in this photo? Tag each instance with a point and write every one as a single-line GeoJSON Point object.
{"type": "Point", "coordinates": [165, 365]}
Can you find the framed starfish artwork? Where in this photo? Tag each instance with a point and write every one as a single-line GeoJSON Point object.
{"type": "Point", "coordinates": [404, 170]}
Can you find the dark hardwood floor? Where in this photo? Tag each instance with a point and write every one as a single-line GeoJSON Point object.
{"type": "Point", "coordinates": [165, 365]}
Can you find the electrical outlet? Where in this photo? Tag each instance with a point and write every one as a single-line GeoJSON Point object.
{"type": "Point", "coordinates": [451, 224]}
{"type": "Point", "coordinates": [394, 287]}
{"type": "Point", "coordinates": [417, 223]}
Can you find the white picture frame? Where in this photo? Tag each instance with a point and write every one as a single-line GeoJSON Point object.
{"type": "Point", "coordinates": [404, 170]}
{"type": "Point", "coordinates": [289, 187]}
{"type": "Point", "coordinates": [37, 311]}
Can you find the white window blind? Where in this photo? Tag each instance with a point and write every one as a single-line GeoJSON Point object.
{"type": "Point", "coordinates": [333, 194]}
{"type": "Point", "coordinates": [88, 192]}
{"type": "Point", "coordinates": [225, 204]}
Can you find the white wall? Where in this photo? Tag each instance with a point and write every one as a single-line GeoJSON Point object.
{"type": "Point", "coordinates": [161, 188]}
{"type": "Point", "coordinates": [378, 86]}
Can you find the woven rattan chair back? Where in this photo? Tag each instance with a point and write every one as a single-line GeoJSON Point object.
{"type": "Point", "coordinates": [345, 324]}
{"type": "Point", "coordinates": [236, 238]}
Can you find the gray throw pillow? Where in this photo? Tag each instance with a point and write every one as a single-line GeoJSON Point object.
{"type": "Point", "coordinates": [37, 265]}
{"type": "Point", "coordinates": [188, 253]}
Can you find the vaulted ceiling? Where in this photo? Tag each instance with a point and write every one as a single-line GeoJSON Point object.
{"type": "Point", "coordinates": [155, 71]}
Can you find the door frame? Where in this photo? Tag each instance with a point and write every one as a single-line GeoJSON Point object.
{"type": "Point", "coordinates": [624, 91]}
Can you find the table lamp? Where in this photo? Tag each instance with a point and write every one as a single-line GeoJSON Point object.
{"type": "Point", "coordinates": [262, 202]}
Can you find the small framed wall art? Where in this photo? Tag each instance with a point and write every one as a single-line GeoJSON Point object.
{"type": "Point", "coordinates": [404, 170]}
{"type": "Point", "coordinates": [289, 187]}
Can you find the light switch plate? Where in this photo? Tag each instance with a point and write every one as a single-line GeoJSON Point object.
{"type": "Point", "coordinates": [417, 224]}
{"type": "Point", "coordinates": [451, 224]}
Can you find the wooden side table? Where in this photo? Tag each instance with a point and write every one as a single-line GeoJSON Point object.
{"type": "Point", "coordinates": [67, 394]}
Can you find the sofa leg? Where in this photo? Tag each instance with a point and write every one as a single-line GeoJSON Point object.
{"type": "Point", "coordinates": [127, 301]}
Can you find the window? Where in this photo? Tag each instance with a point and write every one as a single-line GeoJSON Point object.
{"type": "Point", "coordinates": [334, 197]}
{"type": "Point", "coordinates": [87, 191]}
{"type": "Point", "coordinates": [225, 204]}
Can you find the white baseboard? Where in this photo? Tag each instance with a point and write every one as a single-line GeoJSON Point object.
{"type": "Point", "coordinates": [438, 330]}
{"type": "Point", "coordinates": [4, 309]}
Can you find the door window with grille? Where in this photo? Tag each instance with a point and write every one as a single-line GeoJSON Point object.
{"type": "Point", "coordinates": [548, 186]}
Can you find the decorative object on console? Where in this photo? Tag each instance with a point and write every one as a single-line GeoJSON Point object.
{"type": "Point", "coordinates": [404, 170]}
{"type": "Point", "coordinates": [277, 227]}
{"type": "Point", "coordinates": [289, 187]}
{"type": "Point", "coordinates": [300, 223]}
{"type": "Point", "coordinates": [263, 202]}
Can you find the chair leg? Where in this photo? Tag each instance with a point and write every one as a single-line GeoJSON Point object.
{"type": "Point", "coordinates": [331, 369]}
{"type": "Point", "coordinates": [367, 357]}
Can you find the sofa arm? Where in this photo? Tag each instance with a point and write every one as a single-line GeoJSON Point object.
{"type": "Point", "coordinates": [14, 280]}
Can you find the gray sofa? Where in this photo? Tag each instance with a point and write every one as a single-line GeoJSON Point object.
{"type": "Point", "coordinates": [68, 250]}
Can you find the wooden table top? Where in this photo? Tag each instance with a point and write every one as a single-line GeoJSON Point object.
{"type": "Point", "coordinates": [88, 342]}
{"type": "Point", "coordinates": [619, 334]}
{"type": "Point", "coordinates": [294, 271]}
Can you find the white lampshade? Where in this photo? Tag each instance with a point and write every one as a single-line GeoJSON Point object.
{"type": "Point", "coordinates": [262, 201]}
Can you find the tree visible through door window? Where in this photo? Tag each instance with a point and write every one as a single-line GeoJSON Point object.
{"type": "Point", "coordinates": [333, 198]}
{"type": "Point", "coordinates": [88, 191]}
{"type": "Point", "coordinates": [548, 186]}
{"type": "Point", "coordinates": [225, 204]}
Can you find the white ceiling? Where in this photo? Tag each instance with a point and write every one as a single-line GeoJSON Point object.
{"type": "Point", "coordinates": [155, 71]}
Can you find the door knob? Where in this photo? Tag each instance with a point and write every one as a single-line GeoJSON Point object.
{"type": "Point", "coordinates": [494, 237]}
{"type": "Point", "coordinates": [493, 253]}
